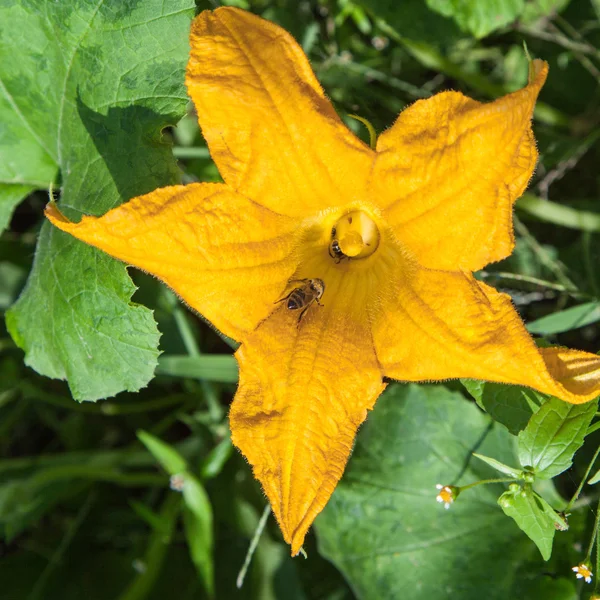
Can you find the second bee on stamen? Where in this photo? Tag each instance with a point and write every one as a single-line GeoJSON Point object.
{"type": "Point", "coordinates": [334, 248]}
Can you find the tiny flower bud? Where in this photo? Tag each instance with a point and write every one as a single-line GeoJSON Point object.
{"type": "Point", "coordinates": [379, 42]}
{"type": "Point", "coordinates": [139, 565]}
{"type": "Point", "coordinates": [177, 482]}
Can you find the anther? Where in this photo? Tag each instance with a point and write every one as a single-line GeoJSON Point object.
{"type": "Point", "coordinates": [354, 236]}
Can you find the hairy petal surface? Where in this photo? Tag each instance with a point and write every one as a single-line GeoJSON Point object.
{"type": "Point", "coordinates": [226, 256]}
{"type": "Point", "coordinates": [271, 131]}
{"type": "Point", "coordinates": [442, 325]}
{"type": "Point", "coordinates": [304, 390]}
{"type": "Point", "coordinates": [449, 171]}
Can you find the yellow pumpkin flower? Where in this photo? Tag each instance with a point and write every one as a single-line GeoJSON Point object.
{"type": "Point", "coordinates": [392, 233]}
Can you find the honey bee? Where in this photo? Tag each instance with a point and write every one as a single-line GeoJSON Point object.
{"type": "Point", "coordinates": [334, 248]}
{"type": "Point", "coordinates": [302, 297]}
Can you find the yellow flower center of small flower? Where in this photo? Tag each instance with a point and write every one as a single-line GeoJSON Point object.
{"type": "Point", "coordinates": [356, 234]}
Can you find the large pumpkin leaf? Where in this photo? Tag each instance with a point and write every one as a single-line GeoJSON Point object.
{"type": "Point", "coordinates": [91, 84]}
{"type": "Point", "coordinates": [511, 405]}
{"type": "Point", "coordinates": [383, 527]}
{"type": "Point", "coordinates": [27, 159]}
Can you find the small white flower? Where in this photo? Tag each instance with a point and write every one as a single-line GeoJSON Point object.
{"type": "Point", "coordinates": [139, 565]}
{"type": "Point", "coordinates": [582, 571]}
{"type": "Point", "coordinates": [447, 494]}
{"type": "Point", "coordinates": [177, 482]}
{"type": "Point", "coordinates": [380, 42]}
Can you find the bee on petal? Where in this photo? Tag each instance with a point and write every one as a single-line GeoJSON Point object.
{"type": "Point", "coordinates": [302, 297]}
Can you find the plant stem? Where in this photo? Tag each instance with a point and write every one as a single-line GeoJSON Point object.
{"type": "Point", "coordinates": [583, 480]}
{"type": "Point", "coordinates": [544, 257]}
{"type": "Point", "coordinates": [160, 540]}
{"type": "Point", "coordinates": [535, 281]}
{"type": "Point", "coordinates": [104, 408]}
{"type": "Point", "coordinates": [560, 40]}
{"type": "Point", "coordinates": [253, 544]}
{"type": "Point", "coordinates": [184, 152]}
{"type": "Point", "coordinates": [462, 488]}
{"type": "Point", "coordinates": [108, 459]}
{"type": "Point", "coordinates": [58, 554]}
{"type": "Point", "coordinates": [193, 349]}
{"type": "Point", "coordinates": [430, 58]}
{"type": "Point", "coordinates": [597, 583]}
{"type": "Point", "coordinates": [590, 266]}
{"type": "Point", "coordinates": [594, 536]}
{"type": "Point", "coordinates": [101, 474]}
{"type": "Point", "coordinates": [559, 214]}
{"type": "Point", "coordinates": [374, 74]}
{"type": "Point", "coordinates": [185, 331]}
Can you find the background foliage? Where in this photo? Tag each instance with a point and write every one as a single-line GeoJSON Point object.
{"type": "Point", "coordinates": [93, 107]}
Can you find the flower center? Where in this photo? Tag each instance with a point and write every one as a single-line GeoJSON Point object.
{"type": "Point", "coordinates": [355, 235]}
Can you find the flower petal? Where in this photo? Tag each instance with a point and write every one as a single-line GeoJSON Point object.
{"type": "Point", "coordinates": [271, 131]}
{"type": "Point", "coordinates": [226, 256]}
{"type": "Point", "coordinates": [444, 325]}
{"type": "Point", "coordinates": [449, 170]}
{"type": "Point", "coordinates": [304, 390]}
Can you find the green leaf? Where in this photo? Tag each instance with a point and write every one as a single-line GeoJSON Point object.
{"type": "Point", "coordinates": [534, 11]}
{"type": "Point", "coordinates": [521, 504]}
{"type": "Point", "coordinates": [559, 214]}
{"type": "Point", "coordinates": [209, 367]}
{"type": "Point", "coordinates": [148, 515]}
{"type": "Point", "coordinates": [496, 464]}
{"type": "Point", "coordinates": [172, 462]}
{"type": "Point", "coordinates": [24, 501]}
{"type": "Point", "coordinates": [92, 87]}
{"type": "Point", "coordinates": [198, 521]}
{"type": "Point", "coordinates": [595, 478]}
{"type": "Point", "coordinates": [553, 435]}
{"type": "Point", "coordinates": [158, 544]}
{"type": "Point", "coordinates": [479, 18]}
{"type": "Point", "coordinates": [12, 278]}
{"type": "Point", "coordinates": [10, 196]}
{"type": "Point", "coordinates": [413, 20]}
{"type": "Point", "coordinates": [27, 159]}
{"type": "Point", "coordinates": [560, 522]}
{"type": "Point", "coordinates": [547, 489]}
{"type": "Point", "coordinates": [510, 405]}
{"type": "Point", "coordinates": [565, 320]}
{"type": "Point", "coordinates": [90, 335]}
{"type": "Point", "coordinates": [214, 462]}
{"type": "Point", "coordinates": [383, 527]}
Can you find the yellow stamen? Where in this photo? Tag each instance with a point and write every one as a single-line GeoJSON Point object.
{"type": "Point", "coordinates": [357, 234]}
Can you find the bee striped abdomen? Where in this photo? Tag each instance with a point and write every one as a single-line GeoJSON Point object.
{"type": "Point", "coordinates": [296, 300]}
